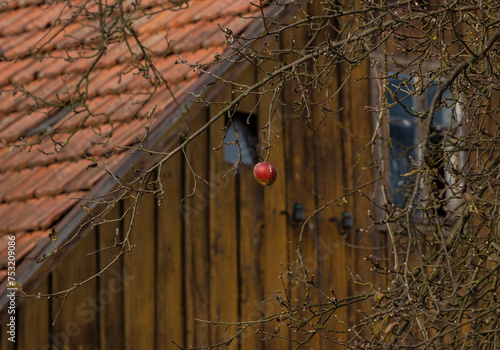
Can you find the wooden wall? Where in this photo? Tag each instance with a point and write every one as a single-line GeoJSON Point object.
{"type": "Point", "coordinates": [217, 254]}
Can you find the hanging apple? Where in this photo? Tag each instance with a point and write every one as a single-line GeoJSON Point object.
{"type": "Point", "coordinates": [265, 173]}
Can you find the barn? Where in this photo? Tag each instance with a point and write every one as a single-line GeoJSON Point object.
{"type": "Point", "coordinates": [109, 259]}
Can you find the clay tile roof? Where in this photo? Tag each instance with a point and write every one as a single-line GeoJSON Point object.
{"type": "Point", "coordinates": [44, 57]}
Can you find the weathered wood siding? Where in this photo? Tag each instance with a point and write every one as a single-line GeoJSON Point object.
{"type": "Point", "coordinates": [217, 253]}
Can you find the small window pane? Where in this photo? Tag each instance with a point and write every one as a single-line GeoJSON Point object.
{"type": "Point", "coordinates": [403, 134]}
{"type": "Point", "coordinates": [247, 141]}
{"type": "Point", "coordinates": [443, 115]}
{"type": "Point", "coordinates": [399, 98]}
{"type": "Point", "coordinates": [403, 153]}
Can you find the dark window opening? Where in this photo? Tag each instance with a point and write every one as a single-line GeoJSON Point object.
{"type": "Point", "coordinates": [241, 139]}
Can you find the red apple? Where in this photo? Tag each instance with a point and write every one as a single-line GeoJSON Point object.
{"type": "Point", "coordinates": [265, 173]}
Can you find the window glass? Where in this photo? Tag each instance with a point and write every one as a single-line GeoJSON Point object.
{"type": "Point", "coordinates": [400, 99]}
{"type": "Point", "coordinates": [244, 130]}
{"type": "Point", "coordinates": [403, 134]}
{"type": "Point", "coordinates": [443, 115]}
{"type": "Point", "coordinates": [403, 154]}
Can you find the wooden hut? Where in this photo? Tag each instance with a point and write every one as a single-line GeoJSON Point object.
{"type": "Point", "coordinates": [212, 254]}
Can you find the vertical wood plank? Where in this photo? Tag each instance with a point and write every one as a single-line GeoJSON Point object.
{"type": "Point", "coordinates": [170, 260]}
{"type": "Point", "coordinates": [274, 241]}
{"type": "Point", "coordinates": [197, 242]}
{"type": "Point", "coordinates": [4, 342]}
{"type": "Point", "coordinates": [223, 229]}
{"type": "Point", "coordinates": [299, 155]}
{"type": "Point", "coordinates": [139, 294]}
{"type": "Point", "coordinates": [34, 321]}
{"type": "Point", "coordinates": [348, 160]}
{"type": "Point", "coordinates": [357, 123]}
{"type": "Point", "coordinates": [250, 232]}
{"type": "Point", "coordinates": [76, 325]}
{"type": "Point", "coordinates": [363, 173]}
{"type": "Point", "coordinates": [332, 251]}
{"type": "Point", "coordinates": [111, 283]}
{"type": "Point", "coordinates": [352, 114]}
{"type": "Point", "coordinates": [329, 169]}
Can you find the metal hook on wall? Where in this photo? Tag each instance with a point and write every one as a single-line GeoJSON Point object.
{"type": "Point", "coordinates": [345, 223]}
{"type": "Point", "coordinates": [298, 214]}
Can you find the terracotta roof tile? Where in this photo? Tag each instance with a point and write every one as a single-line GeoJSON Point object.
{"type": "Point", "coordinates": [77, 145]}
{"type": "Point", "coordinates": [46, 181]}
{"type": "Point", "coordinates": [19, 45]}
{"type": "Point", "coordinates": [22, 123]}
{"type": "Point", "coordinates": [36, 22]}
{"type": "Point", "coordinates": [8, 120]}
{"type": "Point", "coordinates": [33, 70]}
{"type": "Point", "coordinates": [54, 66]}
{"type": "Point", "coordinates": [35, 214]}
{"type": "Point", "coordinates": [13, 159]}
{"type": "Point", "coordinates": [87, 178]}
{"type": "Point", "coordinates": [58, 177]}
{"type": "Point", "coordinates": [115, 79]}
{"type": "Point", "coordinates": [14, 180]}
{"type": "Point", "coordinates": [13, 98]}
{"type": "Point", "coordinates": [26, 188]}
{"type": "Point", "coordinates": [47, 153]}
{"type": "Point", "coordinates": [8, 20]}
{"type": "Point", "coordinates": [24, 243]}
{"type": "Point", "coordinates": [11, 69]}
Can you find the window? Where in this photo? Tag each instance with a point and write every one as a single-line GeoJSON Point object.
{"type": "Point", "coordinates": [241, 139]}
{"type": "Point", "coordinates": [405, 133]}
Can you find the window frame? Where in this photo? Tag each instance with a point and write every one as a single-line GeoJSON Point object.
{"type": "Point", "coordinates": [420, 103]}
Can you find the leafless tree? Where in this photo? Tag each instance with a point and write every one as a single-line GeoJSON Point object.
{"type": "Point", "coordinates": [433, 154]}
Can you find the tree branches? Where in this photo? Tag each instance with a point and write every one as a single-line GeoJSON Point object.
{"type": "Point", "coordinates": [430, 165]}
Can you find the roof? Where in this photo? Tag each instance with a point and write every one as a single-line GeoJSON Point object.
{"type": "Point", "coordinates": [43, 56]}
